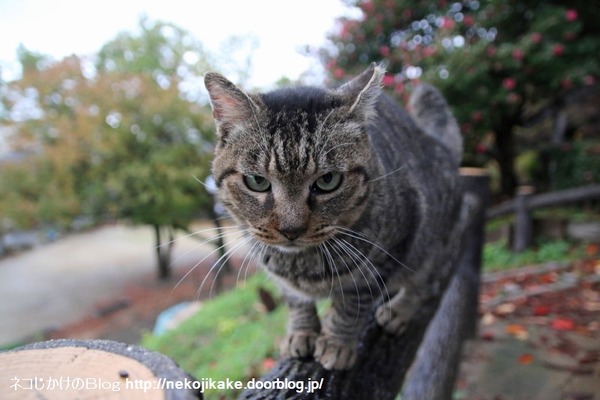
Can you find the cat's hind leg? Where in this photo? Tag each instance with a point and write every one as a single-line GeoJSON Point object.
{"type": "Point", "coordinates": [393, 315]}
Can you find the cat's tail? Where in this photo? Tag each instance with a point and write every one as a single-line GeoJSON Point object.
{"type": "Point", "coordinates": [432, 114]}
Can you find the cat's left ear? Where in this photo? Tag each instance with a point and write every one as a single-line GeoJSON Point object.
{"type": "Point", "coordinates": [362, 92]}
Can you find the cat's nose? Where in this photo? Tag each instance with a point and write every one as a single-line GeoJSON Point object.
{"type": "Point", "coordinates": [292, 232]}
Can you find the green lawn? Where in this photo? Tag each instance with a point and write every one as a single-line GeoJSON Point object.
{"type": "Point", "coordinates": [230, 337]}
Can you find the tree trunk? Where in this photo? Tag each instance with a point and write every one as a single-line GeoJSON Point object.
{"type": "Point", "coordinates": [163, 252]}
{"type": "Point", "coordinates": [505, 155]}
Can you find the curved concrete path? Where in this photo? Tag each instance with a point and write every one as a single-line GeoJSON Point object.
{"type": "Point", "coordinates": [58, 283]}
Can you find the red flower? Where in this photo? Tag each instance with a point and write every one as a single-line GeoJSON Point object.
{"type": "Point", "coordinates": [509, 83]}
{"type": "Point", "coordinates": [558, 50]}
{"type": "Point", "coordinates": [513, 98]}
{"type": "Point", "coordinates": [384, 51]}
{"type": "Point", "coordinates": [480, 148]}
{"type": "Point", "coordinates": [536, 37]}
{"type": "Point", "coordinates": [571, 15]}
{"type": "Point", "coordinates": [399, 87]}
{"type": "Point", "coordinates": [429, 51]}
{"type": "Point", "coordinates": [566, 83]}
{"type": "Point", "coordinates": [338, 73]}
{"type": "Point", "coordinates": [446, 23]}
{"type": "Point", "coordinates": [469, 21]}
{"type": "Point", "coordinates": [518, 54]}
{"type": "Point", "coordinates": [388, 80]}
{"type": "Point", "coordinates": [367, 7]}
{"type": "Point", "coordinates": [589, 80]}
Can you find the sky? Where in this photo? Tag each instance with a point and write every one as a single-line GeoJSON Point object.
{"type": "Point", "coordinates": [63, 27]}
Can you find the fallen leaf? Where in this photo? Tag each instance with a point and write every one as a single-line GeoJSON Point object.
{"type": "Point", "coordinates": [513, 329]}
{"type": "Point", "coordinates": [518, 331]}
{"type": "Point", "coordinates": [526, 359]}
{"type": "Point", "coordinates": [591, 250]}
{"type": "Point", "coordinates": [267, 364]}
{"type": "Point", "coordinates": [488, 319]}
{"type": "Point", "coordinates": [550, 277]}
{"type": "Point", "coordinates": [505, 309]}
{"type": "Point", "coordinates": [541, 310]}
{"type": "Point", "coordinates": [563, 324]}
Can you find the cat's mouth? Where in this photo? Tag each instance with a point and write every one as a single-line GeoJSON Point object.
{"type": "Point", "coordinates": [290, 247]}
{"type": "Point", "coordinates": [296, 245]}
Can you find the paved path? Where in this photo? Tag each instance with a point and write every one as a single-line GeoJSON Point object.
{"type": "Point", "coordinates": [58, 283]}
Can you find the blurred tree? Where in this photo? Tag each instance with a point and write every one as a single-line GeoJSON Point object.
{"type": "Point", "coordinates": [497, 61]}
{"type": "Point", "coordinates": [125, 136]}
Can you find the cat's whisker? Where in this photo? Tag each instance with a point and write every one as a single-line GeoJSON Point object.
{"type": "Point", "coordinates": [259, 255]}
{"type": "Point", "coordinates": [322, 257]}
{"type": "Point", "coordinates": [341, 257]}
{"type": "Point", "coordinates": [333, 269]}
{"type": "Point", "coordinates": [337, 146]}
{"type": "Point", "coordinates": [199, 181]}
{"type": "Point", "coordinates": [372, 269]}
{"type": "Point", "coordinates": [196, 233]}
{"type": "Point", "coordinates": [387, 175]}
{"type": "Point", "coordinates": [247, 258]}
{"type": "Point", "coordinates": [353, 257]}
{"type": "Point", "coordinates": [223, 261]}
{"type": "Point", "coordinates": [320, 131]}
{"type": "Point", "coordinates": [202, 260]}
{"type": "Point", "coordinates": [213, 238]}
{"type": "Point", "coordinates": [362, 237]}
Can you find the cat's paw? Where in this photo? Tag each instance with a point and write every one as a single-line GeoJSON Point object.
{"type": "Point", "coordinates": [335, 353]}
{"type": "Point", "coordinates": [392, 319]}
{"type": "Point", "coordinates": [299, 344]}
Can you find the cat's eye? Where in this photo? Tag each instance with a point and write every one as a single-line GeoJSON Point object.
{"type": "Point", "coordinates": [328, 182]}
{"type": "Point", "coordinates": [257, 183]}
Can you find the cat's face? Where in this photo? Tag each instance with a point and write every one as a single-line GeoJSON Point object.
{"type": "Point", "coordinates": [292, 166]}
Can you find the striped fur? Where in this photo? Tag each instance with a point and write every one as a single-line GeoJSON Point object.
{"type": "Point", "coordinates": [375, 236]}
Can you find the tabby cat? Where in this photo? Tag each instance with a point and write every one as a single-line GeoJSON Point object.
{"type": "Point", "coordinates": [351, 197]}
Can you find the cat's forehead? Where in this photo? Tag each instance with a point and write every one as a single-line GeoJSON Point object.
{"type": "Point", "coordinates": [306, 99]}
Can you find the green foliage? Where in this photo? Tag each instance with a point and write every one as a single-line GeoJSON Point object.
{"type": "Point", "coordinates": [576, 164]}
{"type": "Point", "coordinates": [497, 255]}
{"type": "Point", "coordinates": [121, 138]}
{"type": "Point", "coordinates": [124, 138]}
{"type": "Point", "coordinates": [229, 337]}
{"type": "Point", "coordinates": [495, 60]}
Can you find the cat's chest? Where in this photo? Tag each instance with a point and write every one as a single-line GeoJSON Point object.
{"type": "Point", "coordinates": [309, 273]}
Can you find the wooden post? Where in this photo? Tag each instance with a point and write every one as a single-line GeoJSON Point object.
{"type": "Point", "coordinates": [434, 370]}
{"type": "Point", "coordinates": [85, 369]}
{"type": "Point", "coordinates": [523, 228]}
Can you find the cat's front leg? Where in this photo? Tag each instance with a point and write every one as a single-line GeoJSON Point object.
{"type": "Point", "coordinates": [393, 315]}
{"type": "Point", "coordinates": [303, 328]}
{"type": "Point", "coordinates": [337, 346]}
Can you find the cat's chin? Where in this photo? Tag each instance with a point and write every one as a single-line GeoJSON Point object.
{"type": "Point", "coordinates": [289, 248]}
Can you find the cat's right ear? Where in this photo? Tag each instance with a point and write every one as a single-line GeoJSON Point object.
{"type": "Point", "coordinates": [362, 92]}
{"type": "Point", "coordinates": [231, 106]}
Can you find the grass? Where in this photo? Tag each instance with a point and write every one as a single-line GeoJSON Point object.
{"type": "Point", "coordinates": [498, 256]}
{"type": "Point", "coordinates": [229, 338]}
